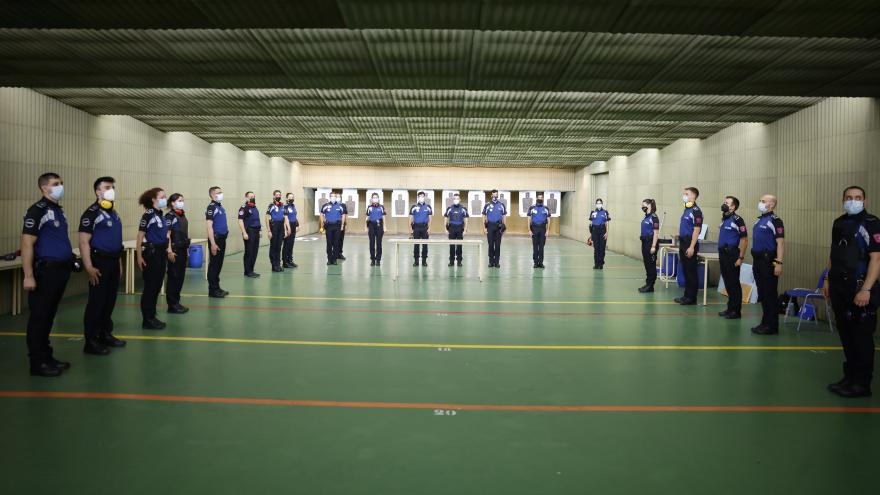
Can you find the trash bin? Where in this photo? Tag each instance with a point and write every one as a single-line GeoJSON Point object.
{"type": "Point", "coordinates": [196, 256]}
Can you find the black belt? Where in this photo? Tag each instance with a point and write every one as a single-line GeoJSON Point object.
{"type": "Point", "coordinates": [275, 222]}
{"type": "Point", "coordinates": [493, 223]}
{"type": "Point", "coordinates": [43, 264]}
{"type": "Point", "coordinates": [181, 244]}
{"type": "Point", "coordinates": [538, 224]}
{"type": "Point", "coordinates": [647, 237]}
{"type": "Point", "coordinates": [326, 224]}
{"type": "Point", "coordinates": [252, 228]}
{"type": "Point", "coordinates": [769, 255]}
{"type": "Point", "coordinates": [220, 236]}
{"type": "Point", "coordinates": [105, 254]}
{"type": "Point", "coordinates": [420, 225]}
{"type": "Point", "coordinates": [724, 249]}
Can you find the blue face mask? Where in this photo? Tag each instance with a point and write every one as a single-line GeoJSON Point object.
{"type": "Point", "coordinates": [853, 206]}
{"type": "Point", "coordinates": [161, 203]}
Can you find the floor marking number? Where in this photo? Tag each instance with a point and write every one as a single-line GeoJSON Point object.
{"type": "Point", "coordinates": [445, 412]}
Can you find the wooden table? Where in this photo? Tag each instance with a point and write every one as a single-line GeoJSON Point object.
{"type": "Point", "coordinates": [131, 265]}
{"type": "Point", "coordinates": [463, 242]}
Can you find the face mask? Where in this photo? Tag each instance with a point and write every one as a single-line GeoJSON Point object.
{"type": "Point", "coordinates": [456, 201]}
{"type": "Point", "coordinates": [540, 201]}
{"type": "Point", "coordinates": [252, 200]}
{"type": "Point", "coordinates": [219, 197]}
{"type": "Point", "coordinates": [56, 192]}
{"type": "Point", "coordinates": [645, 209]}
{"type": "Point", "coordinates": [161, 203]}
{"type": "Point", "coordinates": [421, 200]}
{"type": "Point", "coordinates": [290, 201]}
{"type": "Point", "coordinates": [684, 198]}
{"type": "Point", "coordinates": [375, 200]}
{"type": "Point", "coordinates": [853, 206]}
{"type": "Point", "coordinates": [277, 199]}
{"type": "Point", "coordinates": [494, 199]}
{"type": "Point", "coordinates": [598, 206]}
{"type": "Point", "coordinates": [725, 208]}
{"type": "Point", "coordinates": [109, 195]}
{"type": "Point", "coordinates": [762, 207]}
{"type": "Point", "coordinates": [178, 205]}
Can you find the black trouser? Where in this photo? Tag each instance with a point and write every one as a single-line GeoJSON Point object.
{"type": "Point", "coordinates": [43, 302]}
{"type": "Point", "coordinates": [332, 232]}
{"type": "Point", "coordinates": [597, 232]}
{"type": "Point", "coordinates": [277, 230]}
{"type": "Point", "coordinates": [856, 327]}
{"type": "Point", "coordinates": [215, 263]}
{"type": "Point", "coordinates": [493, 235]}
{"type": "Point", "coordinates": [341, 242]}
{"type": "Point", "coordinates": [251, 248]}
{"type": "Point", "coordinates": [456, 231]}
{"type": "Point", "coordinates": [176, 274]}
{"type": "Point", "coordinates": [287, 247]}
{"type": "Point", "coordinates": [98, 317]}
{"type": "Point", "coordinates": [689, 267]}
{"type": "Point", "coordinates": [539, 238]}
{"type": "Point", "coordinates": [649, 259]}
{"type": "Point", "coordinates": [727, 258]}
{"type": "Point", "coordinates": [767, 284]}
{"type": "Point", "coordinates": [154, 273]}
{"type": "Point", "coordinates": [420, 231]}
{"type": "Point", "coordinates": [375, 231]}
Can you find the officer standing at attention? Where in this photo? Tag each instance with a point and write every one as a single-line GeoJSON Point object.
{"type": "Point", "coordinates": [688, 233]}
{"type": "Point", "coordinates": [249, 224]}
{"type": "Point", "coordinates": [539, 225]}
{"type": "Point", "coordinates": [494, 226]}
{"type": "Point", "coordinates": [851, 283]}
{"type": "Point", "coordinates": [768, 248]}
{"type": "Point", "coordinates": [100, 245]}
{"type": "Point", "coordinates": [456, 225]}
{"type": "Point", "coordinates": [218, 230]}
{"type": "Point", "coordinates": [341, 242]}
{"type": "Point", "coordinates": [375, 226]}
{"type": "Point", "coordinates": [152, 248]}
{"type": "Point", "coordinates": [178, 245]}
{"type": "Point", "coordinates": [291, 226]}
{"type": "Point", "coordinates": [332, 218]}
{"type": "Point", "coordinates": [46, 259]}
{"type": "Point", "coordinates": [599, 228]}
{"type": "Point", "coordinates": [733, 238]}
{"type": "Point", "coordinates": [649, 234]}
{"type": "Point", "coordinates": [420, 227]}
{"type": "Point", "coordinates": [275, 228]}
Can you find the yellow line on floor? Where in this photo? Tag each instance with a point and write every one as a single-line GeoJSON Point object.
{"type": "Point", "coordinates": [458, 346]}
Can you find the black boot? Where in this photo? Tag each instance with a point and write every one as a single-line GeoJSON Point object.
{"type": "Point", "coordinates": [153, 324]}
{"type": "Point", "coordinates": [95, 347]}
{"type": "Point", "coordinates": [177, 309]}
{"type": "Point", "coordinates": [110, 341]}
{"type": "Point", "coordinates": [45, 369]}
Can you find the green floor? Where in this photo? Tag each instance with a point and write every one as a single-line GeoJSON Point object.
{"type": "Point", "coordinates": [400, 419]}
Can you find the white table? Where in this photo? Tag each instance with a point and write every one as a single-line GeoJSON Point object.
{"type": "Point", "coordinates": [130, 264]}
{"type": "Point", "coordinates": [703, 258]}
{"type": "Point", "coordinates": [15, 266]}
{"type": "Point", "coordinates": [463, 242]}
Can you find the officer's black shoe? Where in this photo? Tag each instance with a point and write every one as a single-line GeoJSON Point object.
{"type": "Point", "coordinates": [61, 365]}
{"type": "Point", "coordinates": [601, 267]}
{"type": "Point", "coordinates": [723, 314]}
{"type": "Point", "coordinates": [595, 267]}
{"type": "Point", "coordinates": [340, 257]}
{"type": "Point", "coordinates": [153, 324]}
{"type": "Point", "coordinates": [111, 341]}
{"type": "Point", "coordinates": [678, 299]}
{"type": "Point", "coordinates": [459, 263]}
{"type": "Point", "coordinates": [534, 265]}
{"type": "Point", "coordinates": [276, 269]}
{"type": "Point", "coordinates": [290, 265]}
{"type": "Point", "coordinates": [853, 390]}
{"type": "Point", "coordinates": [416, 262]}
{"type": "Point", "coordinates": [217, 294]}
{"type": "Point", "coordinates": [252, 275]}
{"type": "Point", "coordinates": [95, 347]}
{"type": "Point", "coordinates": [45, 369]}
{"type": "Point", "coordinates": [541, 266]}
{"type": "Point", "coordinates": [372, 262]}
{"type": "Point", "coordinates": [687, 302]}
{"type": "Point", "coordinates": [646, 289]}
{"type": "Point", "coordinates": [378, 262]}
{"type": "Point", "coordinates": [834, 387]}
{"type": "Point", "coordinates": [177, 309]}
{"type": "Point", "coordinates": [451, 263]}
{"type": "Point", "coordinates": [424, 262]}
{"type": "Point", "coordinates": [225, 292]}
{"type": "Point", "coordinates": [497, 265]}
{"type": "Point", "coordinates": [733, 316]}
{"type": "Point", "coordinates": [765, 330]}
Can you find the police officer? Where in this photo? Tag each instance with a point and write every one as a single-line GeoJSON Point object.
{"type": "Point", "coordinates": [539, 225]}
{"type": "Point", "coordinates": [151, 249]}
{"type": "Point", "coordinates": [218, 230]}
{"type": "Point", "coordinates": [851, 283]}
{"type": "Point", "coordinates": [249, 225]}
{"type": "Point", "coordinates": [599, 229]}
{"type": "Point", "coordinates": [733, 238]}
{"type": "Point", "coordinates": [768, 247]}
{"type": "Point", "coordinates": [291, 226]}
{"type": "Point", "coordinates": [688, 233]}
{"type": "Point", "coordinates": [494, 226]}
{"type": "Point", "coordinates": [649, 234]}
{"type": "Point", "coordinates": [332, 218]}
{"type": "Point", "coordinates": [420, 227]}
{"type": "Point", "coordinates": [100, 245]}
{"type": "Point", "coordinates": [456, 225]}
{"type": "Point", "coordinates": [46, 259]}
{"type": "Point", "coordinates": [178, 244]}
{"type": "Point", "coordinates": [375, 226]}
{"type": "Point", "coordinates": [276, 230]}
{"type": "Point", "coordinates": [341, 242]}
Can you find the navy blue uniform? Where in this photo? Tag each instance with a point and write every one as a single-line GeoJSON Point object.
{"type": "Point", "coordinates": [598, 228]}
{"type": "Point", "coordinates": [155, 254]}
{"type": "Point", "coordinates": [456, 215]}
{"type": "Point", "coordinates": [217, 215]}
{"type": "Point", "coordinates": [53, 254]}
{"type": "Point", "coordinates": [342, 233]}
{"type": "Point", "coordinates": [494, 212]}
{"type": "Point", "coordinates": [106, 249]}
{"type": "Point", "coordinates": [332, 229]}
{"type": "Point", "coordinates": [249, 214]}
{"type": "Point", "coordinates": [766, 230]}
{"type": "Point", "coordinates": [691, 218]}
{"type": "Point", "coordinates": [732, 229]}
{"type": "Point", "coordinates": [421, 216]}
{"type": "Point", "coordinates": [287, 248]}
{"type": "Point", "coordinates": [375, 230]}
{"type": "Point", "coordinates": [178, 225]}
{"type": "Point", "coordinates": [538, 215]}
{"type": "Point", "coordinates": [646, 234]}
{"type": "Point", "coordinates": [853, 239]}
{"type": "Point", "coordinates": [275, 211]}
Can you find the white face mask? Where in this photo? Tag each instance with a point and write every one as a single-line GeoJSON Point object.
{"type": "Point", "coordinates": [178, 205]}
{"type": "Point", "coordinates": [219, 197]}
{"type": "Point", "coordinates": [109, 195]}
{"type": "Point", "coordinates": [375, 200]}
{"type": "Point", "coordinates": [762, 207]}
{"type": "Point", "coordinates": [598, 206]}
{"type": "Point", "coordinates": [456, 201]}
{"type": "Point", "coordinates": [161, 203]}
{"type": "Point", "coordinates": [685, 198]}
{"type": "Point", "coordinates": [56, 192]}
{"type": "Point", "coordinates": [421, 200]}
{"type": "Point", "coordinates": [853, 206]}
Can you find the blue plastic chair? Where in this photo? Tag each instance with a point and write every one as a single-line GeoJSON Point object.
{"type": "Point", "coordinates": [808, 294]}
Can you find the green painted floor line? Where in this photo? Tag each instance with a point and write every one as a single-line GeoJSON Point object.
{"type": "Point", "coordinates": [409, 345]}
{"type": "Point", "coordinates": [441, 408]}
